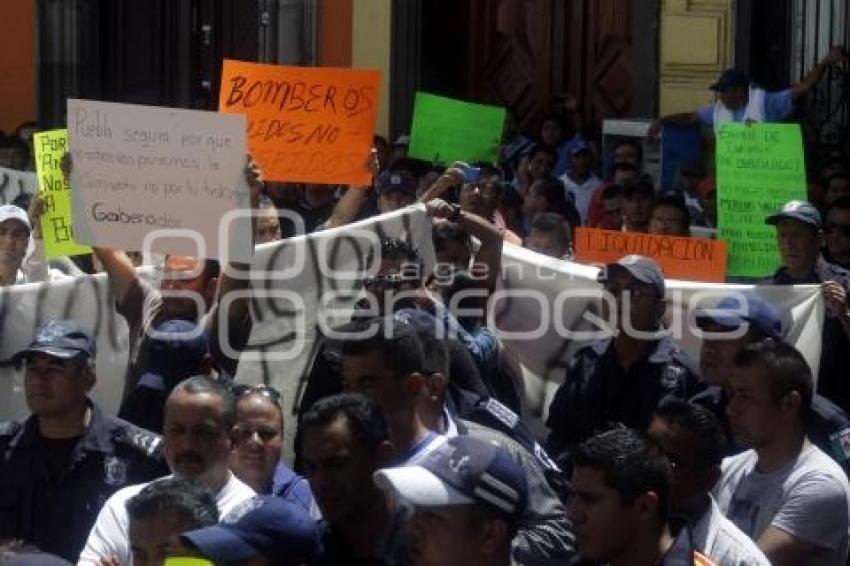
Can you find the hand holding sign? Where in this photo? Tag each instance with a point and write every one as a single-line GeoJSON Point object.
{"type": "Point", "coordinates": [305, 124]}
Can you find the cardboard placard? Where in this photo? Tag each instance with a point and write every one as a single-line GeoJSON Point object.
{"type": "Point", "coordinates": [689, 259]}
{"type": "Point", "coordinates": [446, 130]}
{"type": "Point", "coordinates": [141, 171]}
{"type": "Point", "coordinates": [305, 124]}
{"type": "Point", "coordinates": [760, 167]}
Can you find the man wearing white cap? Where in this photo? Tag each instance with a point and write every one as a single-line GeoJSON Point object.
{"type": "Point", "coordinates": [14, 240]}
{"type": "Point", "coordinates": [465, 498]}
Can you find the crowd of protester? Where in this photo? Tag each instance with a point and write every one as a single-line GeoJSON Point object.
{"type": "Point", "coordinates": [410, 447]}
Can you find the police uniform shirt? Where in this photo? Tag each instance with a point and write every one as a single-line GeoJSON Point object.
{"type": "Point", "coordinates": [832, 375]}
{"type": "Point", "coordinates": [598, 392]}
{"type": "Point", "coordinates": [52, 490]}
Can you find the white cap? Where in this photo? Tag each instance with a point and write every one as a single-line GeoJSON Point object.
{"type": "Point", "coordinates": [419, 487]}
{"type": "Point", "coordinates": [12, 212]}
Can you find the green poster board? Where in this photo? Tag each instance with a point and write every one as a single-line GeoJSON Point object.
{"type": "Point", "coordinates": [760, 167]}
{"type": "Point", "coordinates": [55, 192]}
{"type": "Point", "coordinates": [446, 130]}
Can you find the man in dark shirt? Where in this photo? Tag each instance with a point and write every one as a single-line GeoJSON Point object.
{"type": "Point", "coordinates": [68, 457]}
{"type": "Point", "coordinates": [622, 379]}
{"type": "Point", "coordinates": [799, 236]}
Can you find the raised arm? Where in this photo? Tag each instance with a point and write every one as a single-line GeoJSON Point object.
{"type": "Point", "coordinates": [680, 119]}
{"type": "Point", "coordinates": [836, 54]}
{"type": "Point", "coordinates": [452, 177]}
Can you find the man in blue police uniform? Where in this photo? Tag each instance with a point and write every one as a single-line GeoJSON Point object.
{"type": "Point", "coordinates": [621, 379]}
{"type": "Point", "coordinates": [827, 426]}
{"type": "Point", "coordinates": [59, 466]}
{"type": "Point", "coordinates": [799, 236]}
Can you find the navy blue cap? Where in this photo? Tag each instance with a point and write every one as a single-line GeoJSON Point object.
{"type": "Point", "coordinates": [731, 78]}
{"type": "Point", "coordinates": [396, 181]}
{"type": "Point", "coordinates": [799, 210]}
{"type": "Point", "coordinates": [177, 348]}
{"type": "Point", "coordinates": [267, 525]}
{"type": "Point", "coordinates": [63, 339]}
{"type": "Point", "coordinates": [461, 471]}
{"type": "Point", "coordinates": [736, 310]}
{"type": "Point", "coordinates": [579, 146]}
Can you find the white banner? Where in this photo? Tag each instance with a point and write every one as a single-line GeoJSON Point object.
{"type": "Point", "coordinates": [14, 183]}
{"type": "Point", "coordinates": [307, 281]}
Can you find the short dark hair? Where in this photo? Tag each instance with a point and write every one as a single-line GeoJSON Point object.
{"type": "Point", "coordinates": [543, 148]}
{"type": "Point", "coordinates": [641, 186]}
{"type": "Point", "coordinates": [446, 232]}
{"type": "Point", "coordinates": [552, 117]}
{"type": "Point", "coordinates": [212, 267]}
{"type": "Point", "coordinates": [552, 223]}
{"type": "Point", "coordinates": [365, 418]}
{"type": "Point", "coordinates": [397, 343]}
{"type": "Point", "coordinates": [192, 501]}
{"type": "Point", "coordinates": [788, 369]}
{"type": "Point", "coordinates": [612, 191]}
{"type": "Point", "coordinates": [632, 142]}
{"type": "Point", "coordinates": [553, 191]}
{"type": "Point", "coordinates": [399, 250]}
{"type": "Point", "coordinates": [704, 428]}
{"type": "Point", "coordinates": [631, 463]}
{"type": "Point", "coordinates": [625, 166]}
{"type": "Point", "coordinates": [205, 384]}
{"type": "Point", "coordinates": [842, 203]}
{"type": "Point", "coordinates": [673, 201]}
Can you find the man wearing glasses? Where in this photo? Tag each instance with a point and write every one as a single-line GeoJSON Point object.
{"type": "Point", "coordinates": [622, 378]}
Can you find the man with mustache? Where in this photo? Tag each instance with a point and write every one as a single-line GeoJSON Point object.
{"type": "Point", "coordinates": [199, 415]}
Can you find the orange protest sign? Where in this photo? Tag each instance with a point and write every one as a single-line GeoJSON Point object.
{"type": "Point", "coordinates": [690, 259]}
{"type": "Point", "coordinates": [305, 124]}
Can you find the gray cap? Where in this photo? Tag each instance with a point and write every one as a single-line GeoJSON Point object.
{"type": "Point", "coordinates": [641, 268]}
{"type": "Point", "coordinates": [12, 212]}
{"type": "Point", "coordinates": [799, 210]}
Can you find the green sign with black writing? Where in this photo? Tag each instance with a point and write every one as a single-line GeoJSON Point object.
{"type": "Point", "coordinates": [55, 192]}
{"type": "Point", "coordinates": [760, 167]}
{"type": "Point", "coordinates": [446, 130]}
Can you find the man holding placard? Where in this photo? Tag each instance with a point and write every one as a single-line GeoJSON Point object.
{"type": "Point", "coordinates": [799, 234]}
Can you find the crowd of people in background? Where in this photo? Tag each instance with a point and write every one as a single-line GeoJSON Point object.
{"type": "Point", "coordinates": [410, 445]}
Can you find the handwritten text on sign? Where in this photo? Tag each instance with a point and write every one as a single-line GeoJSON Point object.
{"type": "Point", "coordinates": [141, 169]}
{"type": "Point", "coordinates": [56, 219]}
{"type": "Point", "coordinates": [309, 125]}
{"type": "Point", "coordinates": [689, 259]}
{"type": "Point", "coordinates": [760, 167]}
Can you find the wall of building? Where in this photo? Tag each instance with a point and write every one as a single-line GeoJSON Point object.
{"type": "Point", "coordinates": [17, 64]}
{"type": "Point", "coordinates": [371, 43]}
{"type": "Point", "coordinates": [334, 33]}
{"type": "Point", "coordinates": [696, 38]}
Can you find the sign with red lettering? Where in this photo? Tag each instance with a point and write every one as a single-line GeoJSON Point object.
{"type": "Point", "coordinates": [305, 124]}
{"type": "Point", "coordinates": [688, 259]}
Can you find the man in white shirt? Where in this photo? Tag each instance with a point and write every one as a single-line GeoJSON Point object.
{"type": "Point", "coordinates": [785, 493]}
{"type": "Point", "coordinates": [579, 180]}
{"type": "Point", "coordinates": [693, 441]}
{"type": "Point", "coordinates": [199, 414]}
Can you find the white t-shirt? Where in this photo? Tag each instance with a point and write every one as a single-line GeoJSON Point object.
{"type": "Point", "coordinates": [110, 534]}
{"type": "Point", "coordinates": [581, 194]}
{"type": "Point", "coordinates": [808, 498]}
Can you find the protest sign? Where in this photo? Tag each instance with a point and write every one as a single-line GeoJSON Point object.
{"type": "Point", "coordinates": [535, 292]}
{"type": "Point", "coordinates": [14, 183]}
{"type": "Point", "coordinates": [165, 175]}
{"type": "Point", "coordinates": [56, 219]}
{"type": "Point", "coordinates": [691, 259]}
{"type": "Point", "coordinates": [447, 130]}
{"type": "Point", "coordinates": [305, 124]}
{"type": "Point", "coordinates": [760, 167]}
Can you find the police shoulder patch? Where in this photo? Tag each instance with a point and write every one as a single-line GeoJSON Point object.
{"type": "Point", "coordinates": [144, 441]}
{"type": "Point", "coordinates": [10, 428]}
{"type": "Point", "coordinates": [671, 376]}
{"type": "Point", "coordinates": [840, 442]}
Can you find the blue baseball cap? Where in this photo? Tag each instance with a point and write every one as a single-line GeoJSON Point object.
{"type": "Point", "coordinates": [642, 268]}
{"type": "Point", "coordinates": [798, 210]}
{"type": "Point", "coordinates": [579, 146]}
{"type": "Point", "coordinates": [267, 525]}
{"type": "Point", "coordinates": [734, 311]}
{"type": "Point", "coordinates": [177, 348]}
{"type": "Point", "coordinates": [396, 181]}
{"type": "Point", "coordinates": [461, 471]}
{"type": "Point", "coordinates": [731, 78]}
{"type": "Point", "coordinates": [63, 339]}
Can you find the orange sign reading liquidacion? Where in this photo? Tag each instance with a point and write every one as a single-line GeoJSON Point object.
{"type": "Point", "coordinates": [305, 124]}
{"type": "Point", "coordinates": [689, 259]}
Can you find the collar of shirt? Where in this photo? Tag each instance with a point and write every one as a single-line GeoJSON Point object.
{"type": "Point", "coordinates": [97, 437]}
